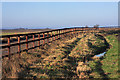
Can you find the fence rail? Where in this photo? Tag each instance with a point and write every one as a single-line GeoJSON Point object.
{"type": "Point", "coordinates": [41, 36]}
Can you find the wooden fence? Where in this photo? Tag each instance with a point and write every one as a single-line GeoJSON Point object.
{"type": "Point", "coordinates": [41, 36]}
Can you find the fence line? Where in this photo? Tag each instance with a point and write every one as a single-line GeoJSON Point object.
{"type": "Point", "coordinates": [53, 34]}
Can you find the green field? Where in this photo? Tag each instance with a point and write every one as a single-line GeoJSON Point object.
{"type": "Point", "coordinates": [107, 66]}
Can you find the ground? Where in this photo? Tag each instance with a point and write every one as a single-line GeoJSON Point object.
{"type": "Point", "coordinates": [68, 58]}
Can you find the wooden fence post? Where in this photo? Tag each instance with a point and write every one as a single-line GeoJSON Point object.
{"type": "Point", "coordinates": [61, 33]}
{"type": "Point", "coordinates": [9, 47]}
{"type": "Point", "coordinates": [51, 37]}
{"type": "Point", "coordinates": [39, 40]}
{"type": "Point", "coordinates": [78, 31]}
{"type": "Point", "coordinates": [74, 32]}
{"type": "Point", "coordinates": [43, 39]}
{"type": "Point", "coordinates": [33, 40]}
{"type": "Point", "coordinates": [65, 32]}
{"type": "Point", "coordinates": [54, 36]}
{"type": "Point", "coordinates": [47, 36]}
{"type": "Point", "coordinates": [82, 30]}
{"type": "Point", "coordinates": [19, 45]}
{"type": "Point", "coordinates": [26, 43]}
{"type": "Point", "coordinates": [57, 35]}
{"type": "Point", "coordinates": [71, 33]}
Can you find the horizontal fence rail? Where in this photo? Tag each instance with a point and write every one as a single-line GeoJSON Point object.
{"type": "Point", "coordinates": [42, 36]}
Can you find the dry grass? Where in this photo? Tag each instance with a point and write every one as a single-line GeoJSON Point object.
{"type": "Point", "coordinates": [57, 60]}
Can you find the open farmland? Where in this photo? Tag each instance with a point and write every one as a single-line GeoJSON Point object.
{"type": "Point", "coordinates": [21, 31]}
{"type": "Point", "coordinates": [71, 57]}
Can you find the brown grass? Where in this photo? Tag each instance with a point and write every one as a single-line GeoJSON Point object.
{"type": "Point", "coordinates": [58, 59]}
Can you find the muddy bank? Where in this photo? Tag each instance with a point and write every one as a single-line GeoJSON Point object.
{"type": "Point", "coordinates": [107, 66]}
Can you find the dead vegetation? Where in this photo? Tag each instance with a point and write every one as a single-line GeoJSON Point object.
{"type": "Point", "coordinates": [61, 59]}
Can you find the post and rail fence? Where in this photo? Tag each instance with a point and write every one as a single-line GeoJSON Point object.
{"type": "Point", "coordinates": [42, 36]}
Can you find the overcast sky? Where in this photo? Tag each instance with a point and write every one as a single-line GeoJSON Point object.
{"type": "Point", "coordinates": [58, 14]}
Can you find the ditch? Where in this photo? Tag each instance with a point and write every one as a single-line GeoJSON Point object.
{"type": "Point", "coordinates": [79, 57]}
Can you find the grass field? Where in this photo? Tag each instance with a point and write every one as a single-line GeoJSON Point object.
{"type": "Point", "coordinates": [67, 58]}
{"type": "Point", "coordinates": [21, 31]}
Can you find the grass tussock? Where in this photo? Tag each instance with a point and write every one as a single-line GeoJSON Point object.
{"type": "Point", "coordinates": [63, 59]}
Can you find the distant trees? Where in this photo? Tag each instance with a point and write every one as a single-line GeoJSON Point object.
{"type": "Point", "coordinates": [86, 26]}
{"type": "Point", "coordinates": [96, 26]}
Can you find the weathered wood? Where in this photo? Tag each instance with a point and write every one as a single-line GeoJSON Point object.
{"type": "Point", "coordinates": [47, 36]}
{"type": "Point", "coordinates": [57, 33]}
{"type": "Point", "coordinates": [61, 32]}
{"type": "Point", "coordinates": [9, 47]}
{"type": "Point", "coordinates": [51, 37]}
{"type": "Point", "coordinates": [54, 34]}
{"type": "Point", "coordinates": [33, 40]}
{"type": "Point", "coordinates": [26, 43]}
{"type": "Point", "coordinates": [39, 39]}
{"type": "Point", "coordinates": [74, 32]}
{"type": "Point", "coordinates": [19, 45]}
{"type": "Point", "coordinates": [44, 39]}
